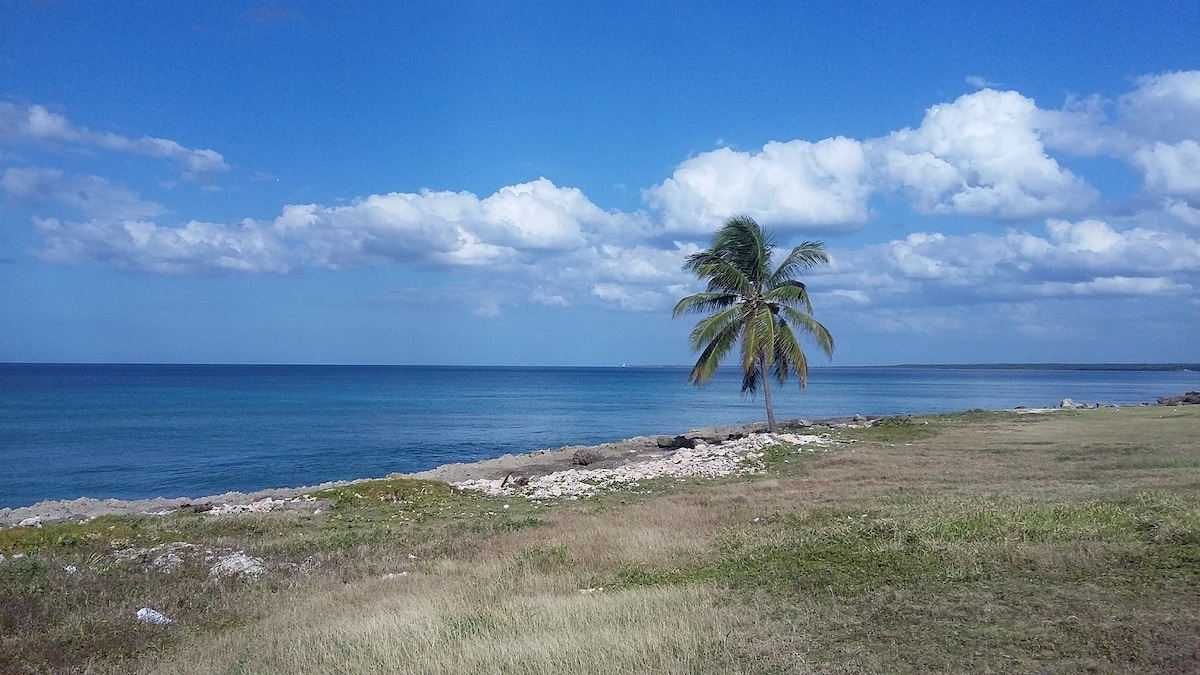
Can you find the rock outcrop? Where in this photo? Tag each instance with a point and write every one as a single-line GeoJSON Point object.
{"type": "Point", "coordinates": [585, 456]}
{"type": "Point", "coordinates": [1189, 398]}
{"type": "Point", "coordinates": [237, 564]}
{"type": "Point", "coordinates": [703, 460]}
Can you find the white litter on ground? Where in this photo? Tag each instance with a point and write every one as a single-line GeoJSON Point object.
{"type": "Point", "coordinates": [147, 615]}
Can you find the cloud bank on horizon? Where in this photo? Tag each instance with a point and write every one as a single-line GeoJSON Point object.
{"type": "Point", "coordinates": [991, 155]}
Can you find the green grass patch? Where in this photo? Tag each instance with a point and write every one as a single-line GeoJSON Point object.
{"type": "Point", "coordinates": [543, 559]}
{"type": "Point", "coordinates": [409, 493]}
{"type": "Point", "coordinates": [76, 540]}
{"type": "Point", "coordinates": [898, 429]}
{"type": "Point", "coordinates": [934, 541]}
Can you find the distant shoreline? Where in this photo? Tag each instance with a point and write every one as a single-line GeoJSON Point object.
{"type": "Point", "coordinates": [179, 417]}
{"type": "Point", "coordinates": [1129, 367]}
{"type": "Point", "coordinates": [617, 453]}
{"type": "Point", "coordinates": [537, 462]}
{"type": "Point", "coordinates": [1126, 367]}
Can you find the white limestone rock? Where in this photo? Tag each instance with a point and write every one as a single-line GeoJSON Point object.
{"type": "Point", "coordinates": [237, 564]}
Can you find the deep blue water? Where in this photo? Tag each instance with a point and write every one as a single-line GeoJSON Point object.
{"type": "Point", "coordinates": [138, 431]}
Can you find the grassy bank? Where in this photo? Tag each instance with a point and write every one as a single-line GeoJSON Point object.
{"type": "Point", "coordinates": [978, 542]}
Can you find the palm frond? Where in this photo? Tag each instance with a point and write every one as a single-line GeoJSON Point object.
{"type": "Point", "coordinates": [744, 244]}
{"type": "Point", "coordinates": [723, 276]}
{"type": "Point", "coordinates": [750, 380]}
{"type": "Point", "coordinates": [712, 326]}
{"type": "Point", "coordinates": [702, 302]}
{"type": "Point", "coordinates": [758, 336]}
{"type": "Point", "coordinates": [806, 324]}
{"type": "Point", "coordinates": [805, 256]}
{"type": "Point", "coordinates": [790, 293]}
{"type": "Point", "coordinates": [750, 339]}
{"type": "Point", "coordinates": [790, 356]}
{"type": "Point", "coordinates": [713, 353]}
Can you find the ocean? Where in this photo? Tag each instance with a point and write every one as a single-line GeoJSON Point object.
{"type": "Point", "coordinates": [141, 431]}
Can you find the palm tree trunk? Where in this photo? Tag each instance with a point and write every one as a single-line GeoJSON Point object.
{"type": "Point", "coordinates": [766, 380]}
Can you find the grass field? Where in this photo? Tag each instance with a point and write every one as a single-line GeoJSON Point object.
{"type": "Point", "coordinates": [978, 542]}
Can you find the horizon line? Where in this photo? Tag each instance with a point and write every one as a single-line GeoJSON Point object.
{"type": "Point", "coordinates": [1158, 365]}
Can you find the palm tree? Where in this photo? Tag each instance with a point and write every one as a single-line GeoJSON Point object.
{"type": "Point", "coordinates": [750, 303]}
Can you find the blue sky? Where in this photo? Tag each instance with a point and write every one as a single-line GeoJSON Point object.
{"type": "Point", "coordinates": [518, 183]}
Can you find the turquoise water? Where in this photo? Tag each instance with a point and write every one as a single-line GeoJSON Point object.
{"type": "Point", "coordinates": [138, 431]}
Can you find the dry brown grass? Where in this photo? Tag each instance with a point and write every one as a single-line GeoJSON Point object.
{"type": "Point", "coordinates": [1063, 542]}
{"type": "Point", "coordinates": [460, 623]}
{"type": "Point", "coordinates": [998, 543]}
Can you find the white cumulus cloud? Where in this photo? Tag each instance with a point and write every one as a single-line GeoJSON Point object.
{"type": "Point", "coordinates": [1155, 129]}
{"type": "Point", "coordinates": [516, 225]}
{"type": "Point", "coordinates": [450, 228]}
{"type": "Point", "coordinates": [1170, 168]}
{"type": "Point", "coordinates": [980, 156]}
{"type": "Point", "coordinates": [1163, 107]}
{"type": "Point", "coordinates": [795, 185]}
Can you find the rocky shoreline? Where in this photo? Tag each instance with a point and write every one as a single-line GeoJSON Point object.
{"type": "Point", "coordinates": [540, 474]}
{"type": "Point", "coordinates": [606, 456]}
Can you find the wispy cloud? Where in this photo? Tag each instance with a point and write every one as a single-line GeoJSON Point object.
{"type": "Point", "coordinates": [272, 13]}
{"type": "Point", "coordinates": [980, 82]}
{"type": "Point", "coordinates": [1086, 257]}
{"type": "Point", "coordinates": [92, 196]}
{"type": "Point", "coordinates": [37, 124]}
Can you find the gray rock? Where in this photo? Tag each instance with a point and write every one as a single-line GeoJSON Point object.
{"type": "Point", "coordinates": [675, 443]}
{"type": "Point", "coordinates": [1189, 398]}
{"type": "Point", "coordinates": [237, 564]}
{"type": "Point", "coordinates": [514, 480]}
{"type": "Point", "coordinates": [1068, 404]}
{"type": "Point", "coordinates": [584, 456]}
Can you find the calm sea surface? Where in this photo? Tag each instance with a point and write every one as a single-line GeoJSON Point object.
{"type": "Point", "coordinates": [138, 431]}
